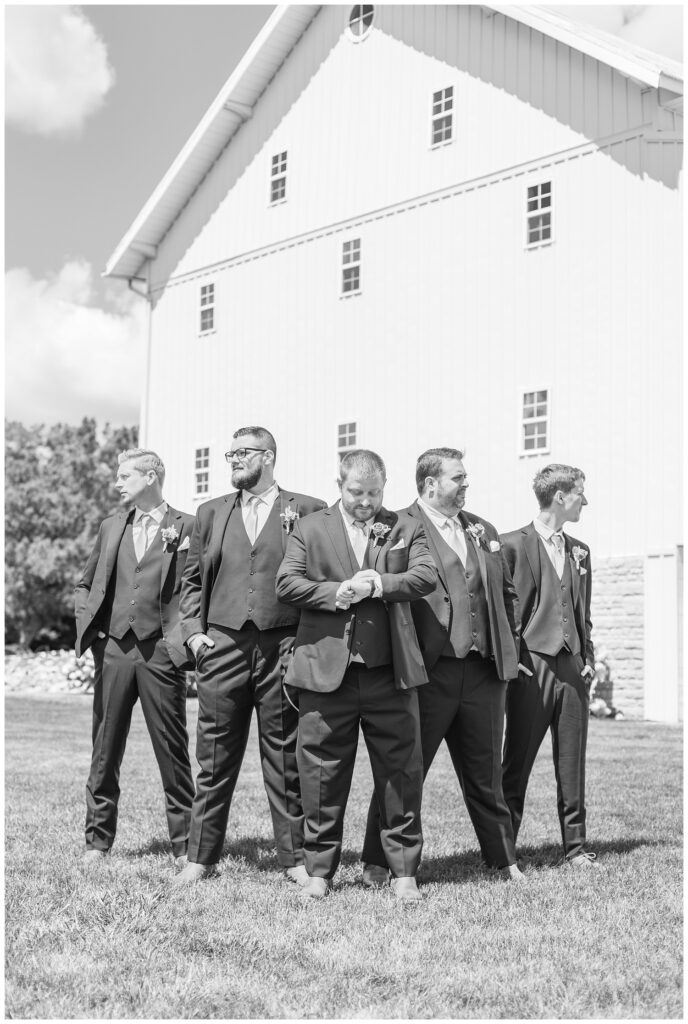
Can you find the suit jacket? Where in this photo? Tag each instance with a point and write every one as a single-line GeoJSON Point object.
{"type": "Point", "coordinates": [432, 614]}
{"type": "Point", "coordinates": [317, 561]}
{"type": "Point", "coordinates": [522, 550]}
{"type": "Point", "coordinates": [205, 552]}
{"type": "Point", "coordinates": [90, 591]}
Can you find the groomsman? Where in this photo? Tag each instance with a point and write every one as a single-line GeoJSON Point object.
{"type": "Point", "coordinates": [552, 575]}
{"type": "Point", "coordinates": [240, 634]}
{"type": "Point", "coordinates": [126, 606]}
{"type": "Point", "coordinates": [468, 631]}
{"type": "Point", "coordinates": [352, 569]}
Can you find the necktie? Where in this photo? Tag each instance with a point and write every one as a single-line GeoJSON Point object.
{"type": "Point", "coordinates": [454, 536]}
{"type": "Point", "coordinates": [360, 541]}
{"type": "Point", "coordinates": [252, 518]}
{"type": "Point", "coordinates": [558, 544]}
{"type": "Point", "coordinates": [141, 545]}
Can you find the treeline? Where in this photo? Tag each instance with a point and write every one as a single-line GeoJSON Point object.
{"type": "Point", "coordinates": [58, 487]}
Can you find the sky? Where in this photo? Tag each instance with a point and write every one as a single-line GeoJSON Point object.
{"type": "Point", "coordinates": [99, 100]}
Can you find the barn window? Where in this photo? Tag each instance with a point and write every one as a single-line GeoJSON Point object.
{"type": "Point", "coordinates": [207, 307]}
{"type": "Point", "coordinates": [351, 266]}
{"type": "Point", "coordinates": [202, 471]}
{"type": "Point", "coordinates": [442, 107]}
{"type": "Point", "coordinates": [535, 422]}
{"type": "Point", "coordinates": [346, 438]}
{"type": "Point", "coordinates": [539, 214]}
{"type": "Point", "coordinates": [361, 20]}
{"type": "Point", "coordinates": [278, 178]}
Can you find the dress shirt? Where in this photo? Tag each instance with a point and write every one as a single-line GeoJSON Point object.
{"type": "Point", "coordinates": [263, 504]}
{"type": "Point", "coordinates": [354, 534]}
{"type": "Point", "coordinates": [143, 534]}
{"type": "Point", "coordinates": [556, 554]}
{"type": "Point", "coordinates": [449, 528]}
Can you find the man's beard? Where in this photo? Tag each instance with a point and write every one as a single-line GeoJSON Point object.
{"type": "Point", "coordinates": [244, 479]}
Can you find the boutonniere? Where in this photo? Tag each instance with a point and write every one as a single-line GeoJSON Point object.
{"type": "Point", "coordinates": [579, 555]}
{"type": "Point", "coordinates": [378, 532]}
{"type": "Point", "coordinates": [289, 517]}
{"type": "Point", "coordinates": [169, 536]}
{"type": "Point", "coordinates": [477, 532]}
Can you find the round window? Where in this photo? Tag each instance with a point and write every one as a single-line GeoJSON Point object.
{"type": "Point", "coordinates": [361, 20]}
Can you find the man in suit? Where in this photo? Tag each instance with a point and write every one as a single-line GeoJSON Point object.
{"type": "Point", "coordinates": [468, 630]}
{"type": "Point", "coordinates": [352, 569]}
{"type": "Point", "coordinates": [240, 634]}
{"type": "Point", "coordinates": [552, 576]}
{"type": "Point", "coordinates": [127, 606]}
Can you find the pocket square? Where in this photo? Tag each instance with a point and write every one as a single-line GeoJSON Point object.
{"type": "Point", "coordinates": [495, 545]}
{"type": "Point", "coordinates": [399, 544]}
{"type": "Point", "coordinates": [184, 544]}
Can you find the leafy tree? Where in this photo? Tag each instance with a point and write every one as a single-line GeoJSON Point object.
{"type": "Point", "coordinates": [58, 488]}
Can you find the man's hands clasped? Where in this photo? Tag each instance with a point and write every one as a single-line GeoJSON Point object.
{"type": "Point", "coordinates": [364, 584]}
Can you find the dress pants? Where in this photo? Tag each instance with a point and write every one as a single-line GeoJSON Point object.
{"type": "Point", "coordinates": [240, 673]}
{"type": "Point", "coordinates": [328, 739]}
{"type": "Point", "coordinates": [127, 670]}
{"type": "Point", "coordinates": [463, 703]}
{"type": "Point", "coordinates": [555, 697]}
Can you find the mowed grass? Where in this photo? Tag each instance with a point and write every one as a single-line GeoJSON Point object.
{"type": "Point", "coordinates": [119, 944]}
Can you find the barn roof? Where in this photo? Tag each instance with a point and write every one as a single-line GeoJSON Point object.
{"type": "Point", "coordinates": [271, 47]}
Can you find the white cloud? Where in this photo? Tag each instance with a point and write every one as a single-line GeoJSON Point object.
{"type": "Point", "coordinates": [56, 69]}
{"type": "Point", "coordinates": [65, 358]}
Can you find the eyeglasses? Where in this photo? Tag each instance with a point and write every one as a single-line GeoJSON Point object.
{"type": "Point", "coordinates": [241, 453]}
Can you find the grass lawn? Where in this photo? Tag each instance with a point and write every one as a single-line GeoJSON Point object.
{"type": "Point", "coordinates": [118, 944]}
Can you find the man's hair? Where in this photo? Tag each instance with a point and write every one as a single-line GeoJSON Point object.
{"type": "Point", "coordinates": [553, 478]}
{"type": "Point", "coordinates": [362, 461]}
{"type": "Point", "coordinates": [262, 436]}
{"type": "Point", "coordinates": [430, 463]}
{"type": "Point", "coordinates": [144, 460]}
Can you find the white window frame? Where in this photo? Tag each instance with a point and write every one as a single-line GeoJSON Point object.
{"type": "Point", "coordinates": [351, 260]}
{"type": "Point", "coordinates": [207, 305]}
{"type": "Point", "coordinates": [524, 420]}
{"type": "Point", "coordinates": [364, 10]}
{"type": "Point", "coordinates": [278, 178]}
{"type": "Point", "coordinates": [345, 430]}
{"type": "Point", "coordinates": [539, 205]}
{"type": "Point", "coordinates": [441, 108]}
{"type": "Point", "coordinates": [201, 472]}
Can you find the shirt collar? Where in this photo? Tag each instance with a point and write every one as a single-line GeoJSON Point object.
{"type": "Point", "coordinates": [158, 513]}
{"type": "Point", "coordinates": [439, 518]}
{"type": "Point", "coordinates": [546, 532]}
{"type": "Point", "coordinates": [268, 496]}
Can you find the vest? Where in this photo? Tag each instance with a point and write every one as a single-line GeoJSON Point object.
{"type": "Point", "coordinates": [244, 587]}
{"type": "Point", "coordinates": [370, 634]}
{"type": "Point", "coordinates": [552, 626]}
{"type": "Point", "coordinates": [470, 621]}
{"type": "Point", "coordinates": [134, 593]}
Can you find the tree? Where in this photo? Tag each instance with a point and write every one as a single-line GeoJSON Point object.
{"type": "Point", "coordinates": [58, 488]}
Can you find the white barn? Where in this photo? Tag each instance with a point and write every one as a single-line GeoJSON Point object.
{"type": "Point", "coordinates": [406, 226]}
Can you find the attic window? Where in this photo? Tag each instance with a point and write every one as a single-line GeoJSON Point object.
{"type": "Point", "coordinates": [361, 20]}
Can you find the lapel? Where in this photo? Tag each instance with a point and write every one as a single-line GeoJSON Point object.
{"type": "Point", "coordinates": [375, 549]}
{"type": "Point", "coordinates": [337, 531]}
{"type": "Point", "coordinates": [575, 575]}
{"type": "Point", "coordinates": [171, 518]}
{"type": "Point", "coordinates": [285, 498]}
{"type": "Point", "coordinates": [430, 533]}
{"type": "Point", "coordinates": [470, 539]}
{"type": "Point", "coordinates": [219, 526]}
{"type": "Point", "coordinates": [531, 544]}
{"type": "Point", "coordinates": [114, 540]}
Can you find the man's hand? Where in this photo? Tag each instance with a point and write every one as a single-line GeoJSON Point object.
{"type": "Point", "coordinates": [370, 576]}
{"type": "Point", "coordinates": [196, 641]}
{"type": "Point", "coordinates": [589, 675]}
{"type": "Point", "coordinates": [524, 670]}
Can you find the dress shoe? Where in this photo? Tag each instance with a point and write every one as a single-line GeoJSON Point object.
{"type": "Point", "coordinates": [405, 889]}
{"type": "Point", "coordinates": [512, 873]}
{"type": "Point", "coordinates": [374, 876]}
{"type": "Point", "coordinates": [298, 874]}
{"type": "Point", "coordinates": [92, 858]}
{"type": "Point", "coordinates": [181, 861]}
{"type": "Point", "coordinates": [316, 888]}
{"type": "Point", "coordinates": [193, 873]}
{"type": "Point", "coordinates": [583, 861]}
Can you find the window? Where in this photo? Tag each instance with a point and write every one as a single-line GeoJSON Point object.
{"type": "Point", "coordinates": [535, 422]}
{"type": "Point", "coordinates": [278, 178]}
{"type": "Point", "coordinates": [361, 20]}
{"type": "Point", "coordinates": [539, 214]}
{"type": "Point", "coordinates": [351, 266]}
{"type": "Point", "coordinates": [442, 106]}
{"type": "Point", "coordinates": [346, 438]}
{"type": "Point", "coordinates": [202, 471]}
{"type": "Point", "coordinates": [207, 307]}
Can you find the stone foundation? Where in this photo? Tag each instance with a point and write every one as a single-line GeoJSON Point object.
{"type": "Point", "coordinates": [617, 613]}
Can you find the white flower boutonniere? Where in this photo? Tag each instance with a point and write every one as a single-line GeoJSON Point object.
{"type": "Point", "coordinates": [579, 555]}
{"type": "Point", "coordinates": [378, 532]}
{"type": "Point", "coordinates": [477, 532]}
{"type": "Point", "coordinates": [289, 517]}
{"type": "Point", "coordinates": [169, 536]}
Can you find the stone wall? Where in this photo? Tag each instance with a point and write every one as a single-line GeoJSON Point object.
{"type": "Point", "coordinates": [618, 630]}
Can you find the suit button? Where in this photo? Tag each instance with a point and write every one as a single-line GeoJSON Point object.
{"type": "Point", "coordinates": [473, 615]}
{"type": "Point", "coordinates": [253, 554]}
{"type": "Point", "coordinates": [468, 575]}
{"type": "Point", "coordinates": [566, 620]}
{"type": "Point", "coordinates": [566, 636]}
{"type": "Point", "coordinates": [138, 569]}
{"type": "Point", "coordinates": [252, 573]}
{"type": "Point", "coordinates": [470, 595]}
{"type": "Point", "coordinates": [250, 609]}
{"type": "Point", "coordinates": [250, 590]}
{"type": "Point", "coordinates": [474, 633]}
{"type": "Point", "coordinates": [131, 618]}
{"type": "Point", "coordinates": [133, 602]}
{"type": "Point", "coordinates": [446, 600]}
{"type": "Point", "coordinates": [136, 586]}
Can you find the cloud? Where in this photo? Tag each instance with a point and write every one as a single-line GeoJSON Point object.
{"type": "Point", "coordinates": [66, 358]}
{"type": "Point", "coordinates": [657, 27]}
{"type": "Point", "coordinates": [57, 72]}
